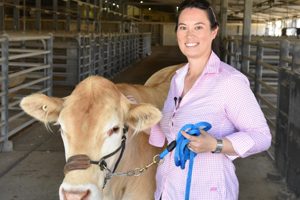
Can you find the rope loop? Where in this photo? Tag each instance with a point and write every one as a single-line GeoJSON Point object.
{"type": "Point", "coordinates": [183, 153]}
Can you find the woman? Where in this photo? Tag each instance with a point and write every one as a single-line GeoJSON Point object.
{"type": "Point", "coordinates": [206, 89]}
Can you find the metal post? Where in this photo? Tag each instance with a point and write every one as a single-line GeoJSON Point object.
{"type": "Point", "coordinates": [68, 19]}
{"type": "Point", "coordinates": [123, 22]}
{"type": "Point", "coordinates": [16, 15]}
{"type": "Point", "coordinates": [38, 15]}
{"type": "Point", "coordinates": [79, 57]}
{"type": "Point", "coordinates": [87, 16]}
{"type": "Point", "coordinates": [231, 46]}
{"type": "Point", "coordinates": [1, 17]}
{"type": "Point", "coordinates": [258, 70]}
{"type": "Point", "coordinates": [78, 17]}
{"type": "Point", "coordinates": [223, 27]}
{"type": "Point", "coordinates": [49, 61]}
{"type": "Point", "coordinates": [225, 46]}
{"type": "Point", "coordinates": [296, 58]}
{"type": "Point", "coordinates": [99, 15]}
{"type": "Point", "coordinates": [7, 145]}
{"type": "Point", "coordinates": [237, 54]}
{"type": "Point", "coordinates": [55, 15]}
{"type": "Point", "coordinates": [95, 16]}
{"type": "Point", "coordinates": [24, 16]}
{"type": "Point", "coordinates": [284, 53]}
{"type": "Point", "coordinates": [246, 34]}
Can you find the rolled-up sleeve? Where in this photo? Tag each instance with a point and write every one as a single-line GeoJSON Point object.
{"type": "Point", "coordinates": [253, 133]}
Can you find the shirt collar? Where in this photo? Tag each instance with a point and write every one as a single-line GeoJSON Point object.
{"type": "Point", "coordinates": [212, 66]}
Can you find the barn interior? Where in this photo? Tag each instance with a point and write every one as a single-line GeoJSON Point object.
{"type": "Point", "coordinates": [50, 46]}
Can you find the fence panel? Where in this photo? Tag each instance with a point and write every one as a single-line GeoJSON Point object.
{"type": "Point", "coordinates": [26, 68]}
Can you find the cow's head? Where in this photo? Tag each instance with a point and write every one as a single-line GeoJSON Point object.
{"type": "Point", "coordinates": [92, 120]}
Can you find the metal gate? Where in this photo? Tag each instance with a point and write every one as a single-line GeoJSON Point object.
{"type": "Point", "coordinates": [26, 68]}
{"type": "Point", "coordinates": [287, 147]}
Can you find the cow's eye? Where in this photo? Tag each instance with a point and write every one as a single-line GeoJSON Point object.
{"type": "Point", "coordinates": [116, 129]}
{"type": "Point", "coordinates": [113, 130]}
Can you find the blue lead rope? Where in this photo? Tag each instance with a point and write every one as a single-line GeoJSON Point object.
{"type": "Point", "coordinates": [183, 153]}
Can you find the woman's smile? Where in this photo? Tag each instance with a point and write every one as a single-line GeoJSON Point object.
{"type": "Point", "coordinates": [192, 44]}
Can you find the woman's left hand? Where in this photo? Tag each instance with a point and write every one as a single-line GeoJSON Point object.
{"type": "Point", "coordinates": [202, 143]}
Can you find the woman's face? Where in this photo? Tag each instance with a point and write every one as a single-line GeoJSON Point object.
{"type": "Point", "coordinates": [194, 34]}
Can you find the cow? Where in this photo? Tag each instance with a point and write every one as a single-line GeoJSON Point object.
{"type": "Point", "coordinates": [95, 120]}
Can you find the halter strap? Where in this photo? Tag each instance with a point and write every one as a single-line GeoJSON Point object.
{"type": "Point", "coordinates": [82, 161]}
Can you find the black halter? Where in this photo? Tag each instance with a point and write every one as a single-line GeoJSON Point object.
{"type": "Point", "coordinates": [102, 164]}
{"type": "Point", "coordinates": [82, 161]}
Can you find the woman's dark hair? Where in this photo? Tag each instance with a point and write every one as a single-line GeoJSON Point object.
{"type": "Point", "coordinates": [200, 4]}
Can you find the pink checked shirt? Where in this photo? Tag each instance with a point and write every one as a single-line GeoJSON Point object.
{"type": "Point", "coordinates": [222, 97]}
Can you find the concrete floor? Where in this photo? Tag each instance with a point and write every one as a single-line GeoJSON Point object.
{"type": "Point", "coordinates": [34, 170]}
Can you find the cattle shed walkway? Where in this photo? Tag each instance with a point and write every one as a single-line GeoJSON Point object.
{"type": "Point", "coordinates": [34, 170]}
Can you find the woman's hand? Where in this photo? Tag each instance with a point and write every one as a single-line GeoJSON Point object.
{"type": "Point", "coordinates": [202, 143]}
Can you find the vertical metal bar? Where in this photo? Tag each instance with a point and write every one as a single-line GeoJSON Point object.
{"type": "Point", "coordinates": [246, 34]}
{"type": "Point", "coordinates": [49, 61]}
{"type": "Point", "coordinates": [24, 15]}
{"type": "Point", "coordinates": [79, 57]}
{"type": "Point", "coordinates": [231, 46]}
{"type": "Point", "coordinates": [258, 70]}
{"type": "Point", "coordinates": [99, 15]}
{"type": "Point", "coordinates": [95, 16]}
{"type": "Point", "coordinates": [78, 17]}
{"type": "Point", "coordinates": [223, 27]}
{"type": "Point", "coordinates": [91, 54]}
{"type": "Point", "coordinates": [38, 15]}
{"type": "Point", "coordinates": [223, 18]}
{"type": "Point", "coordinates": [55, 17]}
{"type": "Point", "coordinates": [4, 88]}
{"type": "Point", "coordinates": [87, 16]}
{"type": "Point", "coordinates": [1, 17]}
{"type": "Point", "coordinates": [284, 52]}
{"type": "Point", "coordinates": [68, 19]}
{"type": "Point", "coordinates": [123, 22]}
{"type": "Point", "coordinates": [84, 56]}
{"type": "Point", "coordinates": [238, 53]}
{"type": "Point", "coordinates": [16, 15]}
{"type": "Point", "coordinates": [225, 46]}
{"type": "Point", "coordinates": [296, 58]}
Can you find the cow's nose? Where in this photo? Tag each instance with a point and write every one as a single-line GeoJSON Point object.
{"type": "Point", "coordinates": [76, 195]}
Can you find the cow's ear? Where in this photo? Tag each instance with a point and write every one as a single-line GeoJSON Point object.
{"type": "Point", "coordinates": [41, 107]}
{"type": "Point", "coordinates": [142, 116]}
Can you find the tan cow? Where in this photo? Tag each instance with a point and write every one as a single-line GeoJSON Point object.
{"type": "Point", "coordinates": [93, 122]}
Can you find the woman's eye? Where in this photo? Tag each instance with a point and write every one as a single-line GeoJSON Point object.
{"type": "Point", "coordinates": [198, 27]}
{"type": "Point", "coordinates": [182, 28]}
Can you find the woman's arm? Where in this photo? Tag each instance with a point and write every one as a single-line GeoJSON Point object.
{"type": "Point", "coordinates": [241, 108]}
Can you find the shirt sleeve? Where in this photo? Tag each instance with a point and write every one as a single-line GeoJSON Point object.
{"type": "Point", "coordinates": [253, 134]}
{"type": "Point", "coordinates": [157, 137]}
